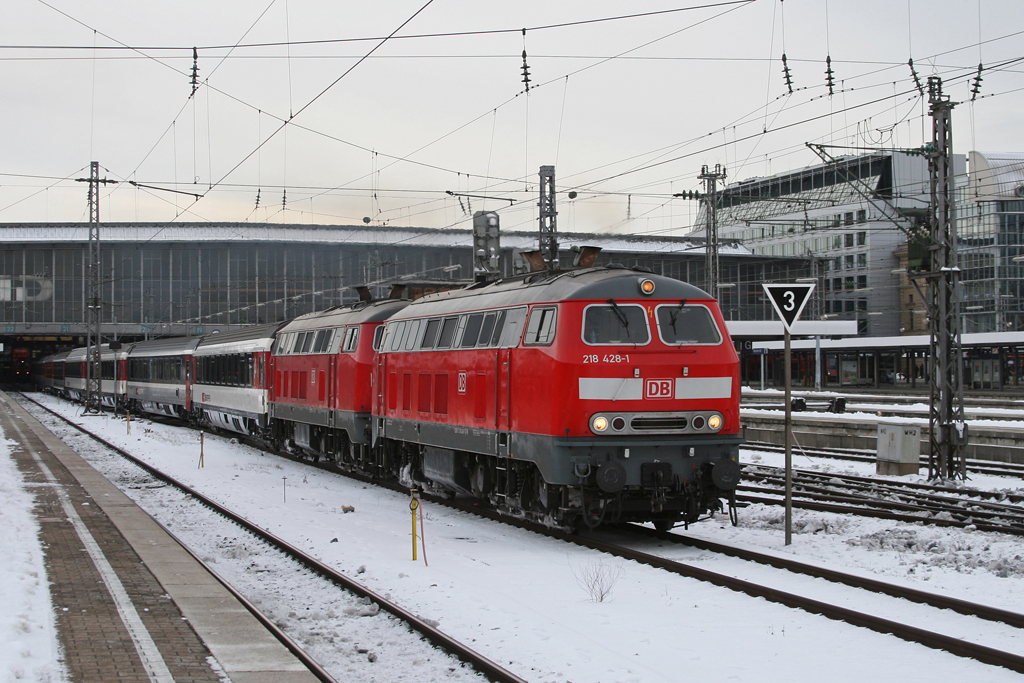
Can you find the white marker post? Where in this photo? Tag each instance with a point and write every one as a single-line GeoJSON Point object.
{"type": "Point", "coordinates": [789, 301]}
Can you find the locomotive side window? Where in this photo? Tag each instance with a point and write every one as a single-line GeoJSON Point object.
{"type": "Point", "coordinates": [395, 336]}
{"type": "Point", "coordinates": [513, 331]}
{"type": "Point", "coordinates": [486, 328]}
{"type": "Point", "coordinates": [540, 331]}
{"type": "Point", "coordinates": [447, 333]}
{"type": "Point", "coordinates": [430, 336]}
{"type": "Point", "coordinates": [499, 325]}
{"type": "Point", "coordinates": [307, 343]}
{"type": "Point", "coordinates": [323, 340]}
{"type": "Point", "coordinates": [413, 336]}
{"type": "Point", "coordinates": [377, 334]}
{"type": "Point", "coordinates": [680, 324]}
{"type": "Point", "coordinates": [472, 331]}
{"type": "Point", "coordinates": [615, 324]}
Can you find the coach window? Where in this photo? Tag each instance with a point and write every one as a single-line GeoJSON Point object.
{"type": "Point", "coordinates": [687, 325]}
{"type": "Point", "coordinates": [430, 336]}
{"type": "Point", "coordinates": [486, 328]}
{"type": "Point", "coordinates": [447, 333]}
{"type": "Point", "coordinates": [472, 331]}
{"type": "Point", "coordinates": [540, 331]}
{"type": "Point", "coordinates": [615, 324]}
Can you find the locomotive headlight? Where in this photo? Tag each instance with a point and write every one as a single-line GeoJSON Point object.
{"type": "Point", "coordinates": [715, 422]}
{"type": "Point", "coordinates": [600, 424]}
{"type": "Point", "coordinates": [646, 286]}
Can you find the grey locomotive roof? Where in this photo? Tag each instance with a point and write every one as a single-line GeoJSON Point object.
{"type": "Point", "coordinates": [166, 346]}
{"type": "Point", "coordinates": [256, 332]}
{"type": "Point", "coordinates": [351, 314]}
{"type": "Point", "coordinates": [588, 283]}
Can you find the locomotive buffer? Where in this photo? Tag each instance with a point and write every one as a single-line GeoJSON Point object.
{"type": "Point", "coordinates": [789, 300]}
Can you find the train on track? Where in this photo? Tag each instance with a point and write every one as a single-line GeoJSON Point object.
{"type": "Point", "coordinates": [568, 397]}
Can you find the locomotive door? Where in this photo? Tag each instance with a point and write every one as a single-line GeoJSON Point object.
{"type": "Point", "coordinates": [502, 389]}
{"type": "Point", "coordinates": [378, 381]}
{"type": "Point", "coordinates": [331, 407]}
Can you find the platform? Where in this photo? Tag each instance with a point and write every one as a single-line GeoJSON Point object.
{"type": "Point", "coordinates": [131, 604]}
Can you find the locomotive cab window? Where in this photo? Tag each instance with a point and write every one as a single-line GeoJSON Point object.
{"type": "Point", "coordinates": [615, 323]}
{"type": "Point", "coordinates": [683, 325]}
{"type": "Point", "coordinates": [430, 336]}
{"type": "Point", "coordinates": [377, 334]}
{"type": "Point", "coordinates": [410, 339]}
{"type": "Point", "coordinates": [351, 339]}
{"type": "Point", "coordinates": [540, 330]}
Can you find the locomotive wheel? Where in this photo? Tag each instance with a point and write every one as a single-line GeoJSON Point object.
{"type": "Point", "coordinates": [664, 525]}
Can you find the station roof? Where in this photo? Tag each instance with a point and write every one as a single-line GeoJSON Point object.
{"type": "Point", "coordinates": [340, 234]}
{"type": "Point", "coordinates": [917, 341]}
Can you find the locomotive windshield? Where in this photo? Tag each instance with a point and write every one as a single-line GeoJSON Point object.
{"type": "Point", "coordinates": [615, 324]}
{"type": "Point", "coordinates": [687, 325]}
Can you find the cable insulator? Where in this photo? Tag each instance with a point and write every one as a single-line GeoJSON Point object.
{"type": "Point", "coordinates": [284, 199]}
{"type": "Point", "coordinates": [526, 72]}
{"type": "Point", "coordinates": [976, 83]}
{"type": "Point", "coordinates": [195, 71]}
{"type": "Point", "coordinates": [258, 190]}
{"type": "Point", "coordinates": [787, 74]}
{"type": "Point", "coordinates": [917, 79]}
{"type": "Point", "coordinates": [830, 80]}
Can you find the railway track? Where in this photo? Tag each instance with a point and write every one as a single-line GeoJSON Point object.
{"type": "Point", "coordinates": [438, 638]}
{"type": "Point", "coordinates": [954, 645]}
{"type": "Point", "coordinates": [858, 455]}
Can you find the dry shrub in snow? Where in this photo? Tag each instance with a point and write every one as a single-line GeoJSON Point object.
{"type": "Point", "coordinates": [597, 578]}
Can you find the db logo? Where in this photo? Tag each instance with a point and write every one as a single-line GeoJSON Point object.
{"type": "Point", "coordinates": [462, 382]}
{"type": "Point", "coordinates": [659, 388]}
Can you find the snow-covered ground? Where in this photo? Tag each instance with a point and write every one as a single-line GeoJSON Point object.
{"type": "Point", "coordinates": [28, 644]}
{"type": "Point", "coordinates": [528, 602]}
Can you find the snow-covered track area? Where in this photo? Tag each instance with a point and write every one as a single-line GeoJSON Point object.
{"type": "Point", "coordinates": [554, 611]}
{"type": "Point", "coordinates": [939, 504]}
{"type": "Point", "coordinates": [362, 601]}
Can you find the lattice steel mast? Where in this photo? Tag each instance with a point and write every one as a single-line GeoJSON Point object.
{"type": "Point", "coordinates": [711, 267]}
{"type": "Point", "coordinates": [948, 431]}
{"type": "Point", "coordinates": [94, 313]}
{"type": "Point", "coordinates": [548, 217]}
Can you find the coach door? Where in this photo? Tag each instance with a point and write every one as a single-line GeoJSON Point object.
{"type": "Point", "coordinates": [189, 360]}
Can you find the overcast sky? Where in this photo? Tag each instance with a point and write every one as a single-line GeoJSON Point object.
{"type": "Point", "coordinates": [628, 110]}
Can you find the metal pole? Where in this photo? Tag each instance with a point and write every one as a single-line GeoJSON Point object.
{"type": "Point", "coordinates": [817, 363]}
{"type": "Point", "coordinates": [789, 443]}
{"type": "Point", "coordinates": [711, 242]}
{"type": "Point", "coordinates": [763, 370]}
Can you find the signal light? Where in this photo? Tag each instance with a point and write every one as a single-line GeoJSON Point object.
{"type": "Point", "coordinates": [646, 286]}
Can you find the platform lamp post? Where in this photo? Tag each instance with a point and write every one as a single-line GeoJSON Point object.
{"type": "Point", "coordinates": [788, 300]}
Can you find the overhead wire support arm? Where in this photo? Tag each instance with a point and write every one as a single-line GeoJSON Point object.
{"type": "Point", "coordinates": [480, 196]}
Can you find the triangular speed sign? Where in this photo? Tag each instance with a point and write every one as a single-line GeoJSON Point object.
{"type": "Point", "coordinates": [789, 301]}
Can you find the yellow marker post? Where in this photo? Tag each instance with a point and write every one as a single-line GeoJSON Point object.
{"type": "Point", "coordinates": [414, 504]}
{"type": "Point", "coordinates": [202, 441]}
{"type": "Point", "coordinates": [128, 421]}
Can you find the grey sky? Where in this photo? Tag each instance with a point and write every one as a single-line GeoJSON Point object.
{"type": "Point", "coordinates": [423, 116]}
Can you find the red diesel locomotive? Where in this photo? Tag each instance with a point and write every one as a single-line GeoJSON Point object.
{"type": "Point", "coordinates": [571, 398]}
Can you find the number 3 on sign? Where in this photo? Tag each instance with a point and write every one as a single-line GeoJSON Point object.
{"type": "Point", "coordinates": [790, 297]}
